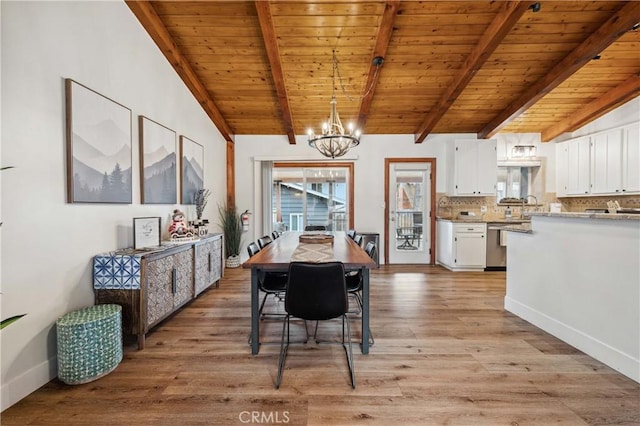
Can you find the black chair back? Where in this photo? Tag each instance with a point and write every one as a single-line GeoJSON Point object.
{"type": "Point", "coordinates": [358, 240]}
{"type": "Point", "coordinates": [370, 248]}
{"type": "Point", "coordinates": [316, 291]}
{"type": "Point", "coordinates": [351, 233]}
{"type": "Point", "coordinates": [252, 248]}
{"type": "Point", "coordinates": [264, 241]}
{"type": "Point", "coordinates": [275, 235]}
{"type": "Point", "coordinates": [315, 228]}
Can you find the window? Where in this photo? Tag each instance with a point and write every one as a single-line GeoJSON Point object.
{"type": "Point", "coordinates": [513, 182]}
{"type": "Point", "coordinates": [312, 194]}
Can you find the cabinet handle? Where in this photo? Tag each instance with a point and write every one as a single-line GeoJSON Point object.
{"type": "Point", "coordinates": [210, 262]}
{"type": "Point", "coordinates": [174, 281]}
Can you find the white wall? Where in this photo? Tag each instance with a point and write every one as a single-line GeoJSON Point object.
{"type": "Point", "coordinates": [369, 171]}
{"type": "Point", "coordinates": [627, 113]}
{"type": "Point", "coordinates": [47, 244]}
{"type": "Point", "coordinates": [590, 298]}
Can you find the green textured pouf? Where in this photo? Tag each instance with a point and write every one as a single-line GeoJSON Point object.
{"type": "Point", "coordinates": [89, 343]}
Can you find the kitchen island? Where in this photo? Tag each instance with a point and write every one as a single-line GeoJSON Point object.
{"type": "Point", "coordinates": [577, 277]}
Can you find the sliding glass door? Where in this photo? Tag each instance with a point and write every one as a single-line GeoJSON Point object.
{"type": "Point", "coordinates": [312, 195]}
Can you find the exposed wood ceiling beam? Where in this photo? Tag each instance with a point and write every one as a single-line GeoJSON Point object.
{"type": "Point", "coordinates": [271, 45]}
{"type": "Point", "coordinates": [619, 23]}
{"type": "Point", "coordinates": [619, 95]}
{"type": "Point", "coordinates": [509, 14]}
{"type": "Point", "coordinates": [150, 20]}
{"type": "Point", "coordinates": [380, 50]}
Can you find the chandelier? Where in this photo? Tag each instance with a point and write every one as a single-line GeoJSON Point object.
{"type": "Point", "coordinates": [334, 141]}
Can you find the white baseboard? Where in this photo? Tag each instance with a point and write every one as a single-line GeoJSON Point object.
{"type": "Point", "coordinates": [595, 348]}
{"type": "Point", "coordinates": [28, 382]}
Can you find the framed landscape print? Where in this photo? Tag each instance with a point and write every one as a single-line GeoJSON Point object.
{"type": "Point", "coordinates": [98, 147]}
{"type": "Point", "coordinates": [158, 163]}
{"type": "Point", "coordinates": [191, 170]}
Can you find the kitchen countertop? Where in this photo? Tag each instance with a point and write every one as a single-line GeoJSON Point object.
{"type": "Point", "coordinates": [577, 215]}
{"type": "Point", "coordinates": [479, 219]}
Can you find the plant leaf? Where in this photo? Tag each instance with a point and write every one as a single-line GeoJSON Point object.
{"type": "Point", "coordinates": [6, 322]}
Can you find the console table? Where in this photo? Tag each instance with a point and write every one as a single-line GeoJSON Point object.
{"type": "Point", "coordinates": [152, 284]}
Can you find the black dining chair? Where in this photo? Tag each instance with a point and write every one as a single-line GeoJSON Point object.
{"type": "Point", "coordinates": [316, 292]}
{"type": "Point", "coordinates": [354, 283]}
{"type": "Point", "coordinates": [351, 233]}
{"type": "Point", "coordinates": [264, 241]}
{"type": "Point", "coordinates": [275, 235]}
{"type": "Point", "coordinates": [270, 283]}
{"type": "Point", "coordinates": [358, 240]}
{"type": "Point", "coordinates": [315, 228]}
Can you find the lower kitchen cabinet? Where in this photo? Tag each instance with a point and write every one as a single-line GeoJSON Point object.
{"type": "Point", "coordinates": [152, 285]}
{"type": "Point", "coordinates": [461, 246]}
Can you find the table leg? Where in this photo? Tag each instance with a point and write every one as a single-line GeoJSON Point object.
{"type": "Point", "coordinates": [255, 316]}
{"type": "Point", "coordinates": [365, 311]}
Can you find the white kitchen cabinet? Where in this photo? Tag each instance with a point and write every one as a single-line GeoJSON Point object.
{"type": "Point", "coordinates": [606, 163]}
{"type": "Point", "coordinates": [472, 168]}
{"type": "Point", "coordinates": [461, 246]}
{"type": "Point", "coordinates": [631, 159]}
{"type": "Point", "coordinates": [562, 169]}
{"type": "Point", "coordinates": [578, 166]}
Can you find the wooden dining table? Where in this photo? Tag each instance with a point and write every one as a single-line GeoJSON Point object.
{"type": "Point", "coordinates": [276, 257]}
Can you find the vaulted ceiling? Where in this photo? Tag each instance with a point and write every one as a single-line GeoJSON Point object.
{"type": "Point", "coordinates": [265, 67]}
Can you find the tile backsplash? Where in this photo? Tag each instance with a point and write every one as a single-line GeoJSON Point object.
{"type": "Point", "coordinates": [450, 207]}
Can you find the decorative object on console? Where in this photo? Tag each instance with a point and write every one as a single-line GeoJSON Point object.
{"type": "Point", "coordinates": [178, 229]}
{"type": "Point", "coordinates": [232, 229]}
{"type": "Point", "coordinates": [146, 232]}
{"type": "Point", "coordinates": [191, 170]}
{"type": "Point", "coordinates": [98, 147]}
{"type": "Point", "coordinates": [157, 163]}
{"type": "Point", "coordinates": [201, 201]}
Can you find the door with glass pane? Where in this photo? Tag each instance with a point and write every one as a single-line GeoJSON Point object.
{"type": "Point", "coordinates": [409, 220]}
{"type": "Point", "coordinates": [311, 196]}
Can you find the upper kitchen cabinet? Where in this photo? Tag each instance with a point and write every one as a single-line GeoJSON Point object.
{"type": "Point", "coordinates": [604, 163]}
{"type": "Point", "coordinates": [472, 168]}
{"type": "Point", "coordinates": [606, 173]}
{"type": "Point", "coordinates": [579, 167]}
{"type": "Point", "coordinates": [631, 158]}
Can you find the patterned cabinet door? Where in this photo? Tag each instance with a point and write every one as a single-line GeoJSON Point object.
{"type": "Point", "coordinates": [159, 282]}
{"type": "Point", "coordinates": [216, 260]}
{"type": "Point", "coordinates": [208, 261]}
{"type": "Point", "coordinates": [183, 262]}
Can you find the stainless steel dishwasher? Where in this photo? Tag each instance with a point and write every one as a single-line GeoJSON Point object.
{"type": "Point", "coordinates": [496, 253]}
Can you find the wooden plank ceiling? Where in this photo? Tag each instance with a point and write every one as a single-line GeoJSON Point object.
{"type": "Point", "coordinates": [449, 67]}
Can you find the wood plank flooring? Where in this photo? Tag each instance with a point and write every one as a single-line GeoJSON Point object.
{"type": "Point", "coordinates": [445, 353]}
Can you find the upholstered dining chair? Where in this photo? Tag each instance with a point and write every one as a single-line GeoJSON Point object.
{"type": "Point", "coordinates": [316, 292]}
{"type": "Point", "coordinates": [351, 233]}
{"type": "Point", "coordinates": [270, 283]}
{"type": "Point", "coordinates": [315, 228]}
{"type": "Point", "coordinates": [358, 240]}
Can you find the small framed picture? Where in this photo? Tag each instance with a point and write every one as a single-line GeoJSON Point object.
{"type": "Point", "coordinates": [146, 232]}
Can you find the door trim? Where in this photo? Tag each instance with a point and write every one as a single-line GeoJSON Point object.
{"type": "Point", "coordinates": [432, 202]}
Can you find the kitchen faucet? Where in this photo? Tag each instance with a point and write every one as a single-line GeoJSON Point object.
{"type": "Point", "coordinates": [524, 201]}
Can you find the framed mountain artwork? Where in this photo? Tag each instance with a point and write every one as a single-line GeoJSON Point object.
{"type": "Point", "coordinates": [191, 169]}
{"type": "Point", "coordinates": [158, 163]}
{"type": "Point", "coordinates": [98, 147]}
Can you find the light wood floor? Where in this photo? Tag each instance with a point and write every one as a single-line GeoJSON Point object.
{"type": "Point", "coordinates": [445, 353]}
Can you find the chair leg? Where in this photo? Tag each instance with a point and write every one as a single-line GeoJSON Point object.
{"type": "Point", "coordinates": [349, 350]}
{"type": "Point", "coordinates": [283, 351]}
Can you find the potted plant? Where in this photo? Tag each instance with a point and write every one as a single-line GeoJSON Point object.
{"type": "Point", "coordinates": [232, 229]}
